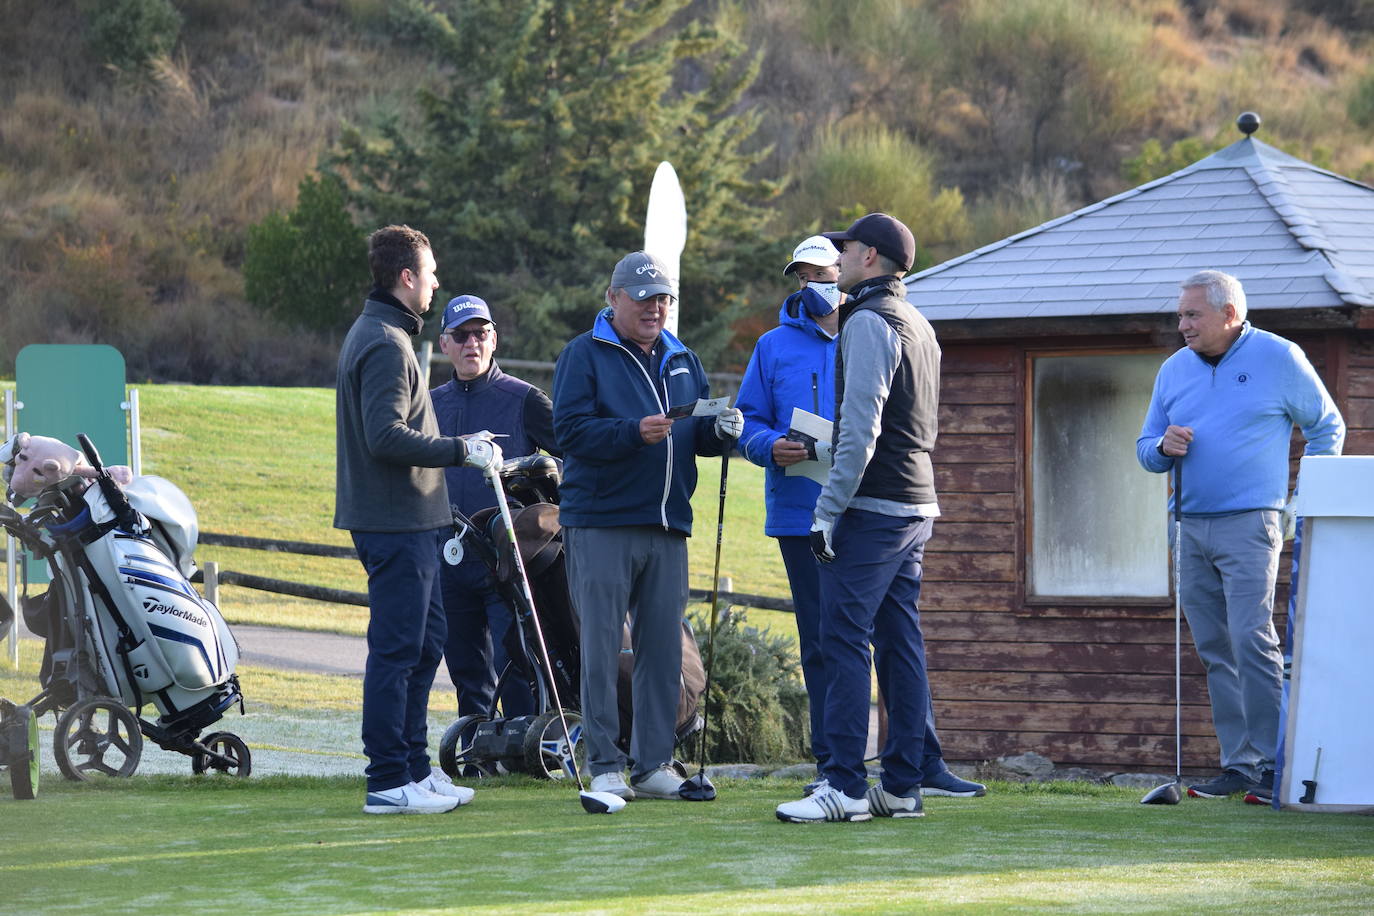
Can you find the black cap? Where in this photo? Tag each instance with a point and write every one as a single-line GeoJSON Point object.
{"type": "Point", "coordinates": [885, 233]}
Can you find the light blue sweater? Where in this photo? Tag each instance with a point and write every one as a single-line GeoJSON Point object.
{"type": "Point", "coordinates": [1242, 412]}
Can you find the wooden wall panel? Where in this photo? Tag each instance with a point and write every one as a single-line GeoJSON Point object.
{"type": "Point", "coordinates": [1112, 753]}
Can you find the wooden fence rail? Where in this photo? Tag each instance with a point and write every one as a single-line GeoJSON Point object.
{"type": "Point", "coordinates": [213, 577]}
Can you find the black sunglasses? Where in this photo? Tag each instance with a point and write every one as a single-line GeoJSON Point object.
{"type": "Point", "coordinates": [459, 336]}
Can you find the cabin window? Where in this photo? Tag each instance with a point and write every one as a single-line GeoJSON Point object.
{"type": "Point", "coordinates": [1099, 522]}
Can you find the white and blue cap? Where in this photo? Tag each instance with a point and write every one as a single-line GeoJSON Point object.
{"type": "Point", "coordinates": [465, 308]}
{"type": "Point", "coordinates": [818, 251]}
{"type": "Point", "coordinates": [642, 275]}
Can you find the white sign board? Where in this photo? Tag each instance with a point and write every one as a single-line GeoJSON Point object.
{"type": "Point", "coordinates": [1329, 726]}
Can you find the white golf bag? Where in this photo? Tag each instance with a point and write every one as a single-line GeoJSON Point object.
{"type": "Point", "coordinates": [125, 628]}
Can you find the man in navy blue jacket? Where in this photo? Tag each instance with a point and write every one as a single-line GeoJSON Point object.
{"type": "Point", "coordinates": [628, 476]}
{"type": "Point", "coordinates": [482, 397]}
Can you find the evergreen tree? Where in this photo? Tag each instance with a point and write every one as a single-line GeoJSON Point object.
{"type": "Point", "coordinates": [530, 172]}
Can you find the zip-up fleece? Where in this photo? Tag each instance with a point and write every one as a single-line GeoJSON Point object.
{"type": "Point", "coordinates": [503, 404]}
{"type": "Point", "coordinates": [793, 366]}
{"type": "Point", "coordinates": [600, 393]}
{"type": "Point", "coordinates": [1242, 412]}
{"type": "Point", "coordinates": [389, 450]}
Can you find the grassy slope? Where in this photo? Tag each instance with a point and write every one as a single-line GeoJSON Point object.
{"type": "Point", "coordinates": [260, 461]}
{"type": "Point", "coordinates": [173, 844]}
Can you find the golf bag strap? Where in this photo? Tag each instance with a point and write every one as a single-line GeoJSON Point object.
{"type": "Point", "coordinates": [126, 635]}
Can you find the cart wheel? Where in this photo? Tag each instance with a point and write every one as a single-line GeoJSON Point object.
{"type": "Point", "coordinates": [97, 735]}
{"type": "Point", "coordinates": [547, 754]}
{"type": "Point", "coordinates": [228, 745]}
{"type": "Point", "coordinates": [20, 751]}
{"type": "Point", "coordinates": [457, 757]}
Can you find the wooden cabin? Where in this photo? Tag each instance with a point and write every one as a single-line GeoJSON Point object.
{"type": "Point", "coordinates": [1047, 605]}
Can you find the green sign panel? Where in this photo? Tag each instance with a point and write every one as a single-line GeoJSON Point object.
{"type": "Point", "coordinates": [67, 389]}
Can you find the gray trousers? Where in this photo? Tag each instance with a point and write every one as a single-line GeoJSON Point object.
{"type": "Point", "coordinates": [642, 571]}
{"type": "Point", "coordinates": [1229, 567]}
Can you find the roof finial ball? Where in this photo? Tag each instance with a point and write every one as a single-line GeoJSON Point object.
{"type": "Point", "coordinates": [1248, 122]}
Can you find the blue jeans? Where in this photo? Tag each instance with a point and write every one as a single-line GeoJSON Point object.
{"type": "Point", "coordinates": [869, 595]}
{"type": "Point", "coordinates": [475, 652]}
{"type": "Point", "coordinates": [405, 640]}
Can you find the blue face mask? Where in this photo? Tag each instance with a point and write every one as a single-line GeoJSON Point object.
{"type": "Point", "coordinates": [820, 299]}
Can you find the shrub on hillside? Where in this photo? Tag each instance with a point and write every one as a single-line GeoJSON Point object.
{"type": "Point", "coordinates": [129, 34]}
{"type": "Point", "coordinates": [308, 267]}
{"type": "Point", "coordinates": [758, 703]}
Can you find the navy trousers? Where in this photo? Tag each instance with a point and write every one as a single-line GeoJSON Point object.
{"type": "Point", "coordinates": [804, 577]}
{"type": "Point", "coordinates": [869, 595]}
{"type": "Point", "coordinates": [475, 651]}
{"type": "Point", "coordinates": [405, 640]}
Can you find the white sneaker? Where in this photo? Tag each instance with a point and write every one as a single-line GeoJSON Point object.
{"type": "Point", "coordinates": [811, 788]}
{"type": "Point", "coordinates": [613, 783]}
{"type": "Point", "coordinates": [438, 783]}
{"type": "Point", "coordinates": [828, 804]}
{"type": "Point", "coordinates": [410, 798]}
{"type": "Point", "coordinates": [663, 782]}
{"type": "Point", "coordinates": [884, 804]}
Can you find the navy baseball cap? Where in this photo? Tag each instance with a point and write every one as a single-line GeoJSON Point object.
{"type": "Point", "coordinates": [883, 232]}
{"type": "Point", "coordinates": [465, 308]}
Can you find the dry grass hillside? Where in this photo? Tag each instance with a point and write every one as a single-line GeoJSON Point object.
{"type": "Point", "coordinates": [125, 197]}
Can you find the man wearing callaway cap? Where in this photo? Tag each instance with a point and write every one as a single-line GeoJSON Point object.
{"type": "Point", "coordinates": [629, 474]}
{"type": "Point", "coordinates": [390, 496]}
{"type": "Point", "coordinates": [872, 520]}
{"type": "Point", "coordinates": [793, 366]}
{"type": "Point", "coordinates": [479, 397]}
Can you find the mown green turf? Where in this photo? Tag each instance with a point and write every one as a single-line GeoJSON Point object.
{"type": "Point", "coordinates": [179, 844]}
{"type": "Point", "coordinates": [260, 461]}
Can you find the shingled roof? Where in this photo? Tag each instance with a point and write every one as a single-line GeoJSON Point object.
{"type": "Point", "coordinates": [1296, 235]}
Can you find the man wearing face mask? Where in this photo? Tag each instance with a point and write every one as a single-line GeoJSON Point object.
{"type": "Point", "coordinates": [793, 365]}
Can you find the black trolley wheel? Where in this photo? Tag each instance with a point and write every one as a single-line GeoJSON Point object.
{"type": "Point", "coordinates": [97, 736]}
{"type": "Point", "coordinates": [456, 754]}
{"type": "Point", "coordinates": [226, 744]}
{"type": "Point", "coordinates": [547, 754]}
{"type": "Point", "coordinates": [20, 743]}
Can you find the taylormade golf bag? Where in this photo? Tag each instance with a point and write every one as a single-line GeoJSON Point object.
{"type": "Point", "coordinates": [125, 628]}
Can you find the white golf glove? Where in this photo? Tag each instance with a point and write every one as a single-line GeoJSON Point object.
{"type": "Point", "coordinates": [730, 423]}
{"type": "Point", "coordinates": [1288, 518]}
{"type": "Point", "coordinates": [820, 540]}
{"type": "Point", "coordinates": [482, 452]}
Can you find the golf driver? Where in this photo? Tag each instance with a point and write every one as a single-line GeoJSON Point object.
{"type": "Point", "coordinates": [1172, 792]}
{"type": "Point", "coordinates": [592, 802]}
{"type": "Point", "coordinates": [698, 787]}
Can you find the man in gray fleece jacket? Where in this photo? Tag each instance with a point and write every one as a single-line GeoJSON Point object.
{"type": "Point", "coordinates": [390, 494]}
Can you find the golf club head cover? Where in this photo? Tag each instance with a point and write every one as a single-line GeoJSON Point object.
{"type": "Point", "coordinates": [730, 423]}
{"type": "Point", "coordinates": [1288, 518]}
{"type": "Point", "coordinates": [481, 452]}
{"type": "Point", "coordinates": [820, 540]}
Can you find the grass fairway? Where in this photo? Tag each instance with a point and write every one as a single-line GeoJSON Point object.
{"type": "Point", "coordinates": [177, 844]}
{"type": "Point", "coordinates": [260, 461]}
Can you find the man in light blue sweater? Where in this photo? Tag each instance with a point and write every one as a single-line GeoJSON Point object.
{"type": "Point", "coordinates": [1225, 406]}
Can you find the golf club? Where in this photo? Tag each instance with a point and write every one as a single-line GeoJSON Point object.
{"type": "Point", "coordinates": [592, 802]}
{"type": "Point", "coordinates": [1172, 792]}
{"type": "Point", "coordinates": [698, 787]}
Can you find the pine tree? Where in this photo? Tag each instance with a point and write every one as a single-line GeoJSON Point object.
{"type": "Point", "coordinates": [530, 172]}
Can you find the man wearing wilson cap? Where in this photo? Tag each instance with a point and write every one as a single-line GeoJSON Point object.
{"type": "Point", "coordinates": [871, 522]}
{"type": "Point", "coordinates": [793, 366]}
{"type": "Point", "coordinates": [479, 397]}
{"type": "Point", "coordinates": [628, 476]}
